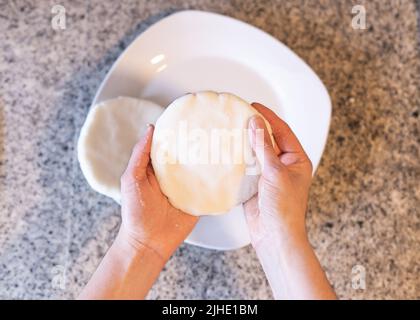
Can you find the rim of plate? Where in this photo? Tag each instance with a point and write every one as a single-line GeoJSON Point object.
{"type": "Point", "coordinates": [260, 33]}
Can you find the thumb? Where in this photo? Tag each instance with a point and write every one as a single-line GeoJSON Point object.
{"type": "Point", "coordinates": [140, 157]}
{"type": "Point", "coordinates": [262, 145]}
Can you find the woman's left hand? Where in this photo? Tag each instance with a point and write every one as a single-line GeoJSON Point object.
{"type": "Point", "coordinates": [148, 219]}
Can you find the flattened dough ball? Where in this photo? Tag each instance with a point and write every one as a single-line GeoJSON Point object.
{"type": "Point", "coordinates": [107, 138]}
{"type": "Point", "coordinates": [201, 153]}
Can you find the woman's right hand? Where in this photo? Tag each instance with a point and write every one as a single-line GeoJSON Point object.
{"type": "Point", "coordinates": [277, 212]}
{"type": "Point", "coordinates": [276, 215]}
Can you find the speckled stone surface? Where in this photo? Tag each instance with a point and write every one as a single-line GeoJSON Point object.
{"type": "Point", "coordinates": [365, 199]}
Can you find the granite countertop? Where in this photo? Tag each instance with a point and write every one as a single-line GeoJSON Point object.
{"type": "Point", "coordinates": [364, 203]}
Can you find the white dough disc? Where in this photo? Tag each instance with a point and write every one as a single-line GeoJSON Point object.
{"type": "Point", "coordinates": [201, 163]}
{"type": "Point", "coordinates": [107, 138]}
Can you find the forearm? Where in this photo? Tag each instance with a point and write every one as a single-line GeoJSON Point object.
{"type": "Point", "coordinates": [293, 269]}
{"type": "Point", "coordinates": [126, 272]}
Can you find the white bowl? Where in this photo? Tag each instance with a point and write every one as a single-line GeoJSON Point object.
{"type": "Point", "coordinates": [193, 51]}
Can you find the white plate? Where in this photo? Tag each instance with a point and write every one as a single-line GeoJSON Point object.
{"type": "Point", "coordinates": [192, 51]}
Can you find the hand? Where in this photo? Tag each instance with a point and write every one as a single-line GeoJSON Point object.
{"type": "Point", "coordinates": [277, 212]}
{"type": "Point", "coordinates": [276, 216]}
{"type": "Point", "coordinates": [148, 219]}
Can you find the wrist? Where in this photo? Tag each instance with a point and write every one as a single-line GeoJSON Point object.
{"type": "Point", "coordinates": [127, 271]}
{"type": "Point", "coordinates": [131, 246]}
{"type": "Point", "coordinates": [281, 244]}
{"type": "Point", "coordinates": [279, 226]}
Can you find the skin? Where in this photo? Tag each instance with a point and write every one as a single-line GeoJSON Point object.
{"type": "Point", "coordinates": [152, 228]}
{"type": "Point", "coordinates": [276, 215]}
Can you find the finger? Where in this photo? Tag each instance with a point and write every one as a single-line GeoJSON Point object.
{"type": "Point", "coordinates": [140, 156]}
{"type": "Point", "coordinates": [283, 135]}
{"type": "Point", "coordinates": [262, 144]}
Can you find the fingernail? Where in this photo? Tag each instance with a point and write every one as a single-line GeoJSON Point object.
{"type": "Point", "coordinates": [257, 123]}
{"type": "Point", "coordinates": [253, 122]}
{"type": "Point", "coordinates": [253, 126]}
